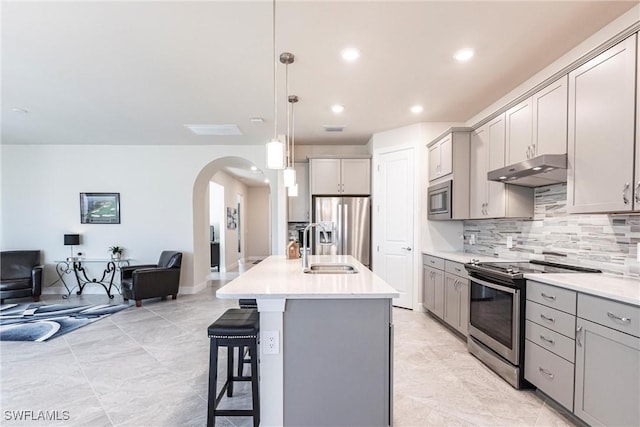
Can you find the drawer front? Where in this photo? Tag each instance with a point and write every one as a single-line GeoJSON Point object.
{"type": "Point", "coordinates": [554, 342]}
{"type": "Point", "coordinates": [456, 268]}
{"type": "Point", "coordinates": [555, 320]}
{"type": "Point", "coordinates": [550, 373]}
{"type": "Point", "coordinates": [616, 315]}
{"type": "Point", "coordinates": [552, 296]}
{"type": "Point", "coordinates": [433, 262]}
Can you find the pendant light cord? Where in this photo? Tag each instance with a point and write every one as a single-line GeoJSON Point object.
{"type": "Point", "coordinates": [275, 69]}
{"type": "Point", "coordinates": [286, 79]}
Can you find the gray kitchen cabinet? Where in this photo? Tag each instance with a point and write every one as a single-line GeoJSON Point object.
{"type": "Point", "coordinates": [607, 382]}
{"type": "Point", "coordinates": [488, 199]}
{"type": "Point", "coordinates": [601, 132]}
{"type": "Point", "coordinates": [549, 341]}
{"type": "Point", "coordinates": [456, 302]}
{"type": "Point", "coordinates": [348, 176]}
{"type": "Point", "coordinates": [538, 125]}
{"type": "Point", "coordinates": [441, 158]}
{"type": "Point", "coordinates": [449, 161]}
{"type": "Point", "coordinates": [433, 277]}
{"type": "Point", "coordinates": [299, 206]}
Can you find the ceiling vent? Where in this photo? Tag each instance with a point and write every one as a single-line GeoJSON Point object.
{"type": "Point", "coordinates": [334, 128]}
{"type": "Point", "coordinates": [217, 130]}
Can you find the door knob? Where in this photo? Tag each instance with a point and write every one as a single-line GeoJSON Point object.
{"type": "Point", "coordinates": [408, 248]}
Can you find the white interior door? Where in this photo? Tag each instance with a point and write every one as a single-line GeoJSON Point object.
{"type": "Point", "coordinates": [394, 206]}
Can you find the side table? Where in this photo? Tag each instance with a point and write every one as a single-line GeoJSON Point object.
{"type": "Point", "coordinates": [75, 266]}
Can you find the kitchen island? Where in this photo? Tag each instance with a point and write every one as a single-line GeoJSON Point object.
{"type": "Point", "coordinates": [332, 363]}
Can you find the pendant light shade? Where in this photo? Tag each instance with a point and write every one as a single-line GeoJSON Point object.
{"type": "Point", "coordinates": [275, 154]}
{"type": "Point", "coordinates": [289, 177]}
{"type": "Point", "coordinates": [293, 191]}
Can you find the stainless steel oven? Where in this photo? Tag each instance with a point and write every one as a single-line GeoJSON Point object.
{"type": "Point", "coordinates": [439, 201]}
{"type": "Point", "coordinates": [494, 317]}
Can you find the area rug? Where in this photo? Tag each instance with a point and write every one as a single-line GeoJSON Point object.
{"type": "Point", "coordinates": [42, 322]}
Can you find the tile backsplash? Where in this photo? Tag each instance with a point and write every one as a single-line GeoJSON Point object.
{"type": "Point", "coordinates": [607, 242]}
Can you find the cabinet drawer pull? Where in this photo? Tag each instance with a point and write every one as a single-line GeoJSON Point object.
{"type": "Point", "coordinates": [548, 319]}
{"type": "Point", "coordinates": [622, 319]}
{"type": "Point", "coordinates": [625, 199]}
{"type": "Point", "coordinates": [543, 338]}
{"type": "Point", "coordinates": [457, 269]}
{"type": "Point", "coordinates": [549, 297]}
{"type": "Point", "coordinates": [544, 371]}
{"type": "Point", "coordinates": [636, 194]}
{"type": "Point", "coordinates": [578, 342]}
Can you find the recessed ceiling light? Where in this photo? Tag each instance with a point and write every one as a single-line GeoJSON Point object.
{"type": "Point", "coordinates": [417, 109]}
{"type": "Point", "coordinates": [463, 55]}
{"type": "Point", "coordinates": [254, 168]}
{"type": "Point", "coordinates": [337, 108]}
{"type": "Point", "coordinates": [350, 54]}
{"type": "Point", "coordinates": [537, 168]}
{"type": "Point", "coordinates": [20, 110]}
{"type": "Point", "coordinates": [256, 120]}
{"type": "Point", "coordinates": [502, 177]}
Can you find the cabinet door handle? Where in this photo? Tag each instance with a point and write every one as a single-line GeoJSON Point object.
{"type": "Point", "coordinates": [549, 297]}
{"type": "Point", "coordinates": [544, 371]}
{"type": "Point", "coordinates": [578, 342]}
{"type": "Point", "coordinates": [529, 152]}
{"type": "Point", "coordinates": [550, 341]}
{"type": "Point", "coordinates": [533, 150]}
{"type": "Point", "coordinates": [622, 319]}
{"type": "Point", "coordinates": [625, 199]}
{"type": "Point", "coordinates": [548, 319]}
{"type": "Point", "coordinates": [408, 248]}
{"type": "Point", "coordinates": [636, 193]}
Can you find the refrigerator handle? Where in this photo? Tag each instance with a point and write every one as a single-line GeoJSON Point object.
{"type": "Point", "coordinates": [345, 238]}
{"type": "Point", "coordinates": [339, 231]}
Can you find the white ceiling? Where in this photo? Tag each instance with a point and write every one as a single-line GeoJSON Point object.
{"type": "Point", "coordinates": [126, 72]}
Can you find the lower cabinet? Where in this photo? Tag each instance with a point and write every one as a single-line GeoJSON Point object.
{"type": "Point", "coordinates": [445, 292]}
{"type": "Point", "coordinates": [605, 345]}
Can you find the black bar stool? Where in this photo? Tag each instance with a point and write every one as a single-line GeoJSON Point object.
{"type": "Point", "coordinates": [237, 327]}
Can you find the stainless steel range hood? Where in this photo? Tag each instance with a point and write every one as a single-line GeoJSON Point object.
{"type": "Point", "coordinates": [546, 169]}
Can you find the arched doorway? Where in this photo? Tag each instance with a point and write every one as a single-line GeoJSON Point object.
{"type": "Point", "coordinates": [237, 167]}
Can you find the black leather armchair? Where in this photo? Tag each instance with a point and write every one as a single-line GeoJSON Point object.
{"type": "Point", "coordinates": [139, 282]}
{"type": "Point", "coordinates": [20, 275]}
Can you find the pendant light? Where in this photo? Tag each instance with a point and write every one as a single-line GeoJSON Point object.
{"type": "Point", "coordinates": [289, 173]}
{"type": "Point", "coordinates": [292, 191]}
{"type": "Point", "coordinates": [275, 147]}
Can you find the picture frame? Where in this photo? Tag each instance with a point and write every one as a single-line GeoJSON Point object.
{"type": "Point", "coordinates": [232, 218]}
{"type": "Point", "coordinates": [100, 208]}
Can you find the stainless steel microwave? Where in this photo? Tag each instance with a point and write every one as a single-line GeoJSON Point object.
{"type": "Point", "coordinates": [439, 201]}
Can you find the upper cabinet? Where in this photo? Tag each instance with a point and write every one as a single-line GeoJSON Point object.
{"type": "Point", "coordinates": [602, 153]}
{"type": "Point", "coordinates": [449, 161]}
{"type": "Point", "coordinates": [440, 157]}
{"type": "Point", "coordinates": [538, 125]}
{"type": "Point", "coordinates": [490, 199]}
{"type": "Point", "coordinates": [299, 206]}
{"type": "Point", "coordinates": [350, 176]}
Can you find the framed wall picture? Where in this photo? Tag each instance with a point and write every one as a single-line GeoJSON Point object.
{"type": "Point", "coordinates": [232, 218]}
{"type": "Point", "coordinates": [100, 208]}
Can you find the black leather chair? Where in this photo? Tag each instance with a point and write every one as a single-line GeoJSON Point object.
{"type": "Point", "coordinates": [140, 282]}
{"type": "Point", "coordinates": [20, 275]}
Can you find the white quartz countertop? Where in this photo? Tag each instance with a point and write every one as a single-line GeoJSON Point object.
{"type": "Point", "coordinates": [623, 289]}
{"type": "Point", "coordinates": [277, 277]}
{"type": "Point", "coordinates": [463, 257]}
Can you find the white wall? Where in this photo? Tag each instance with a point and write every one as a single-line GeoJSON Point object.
{"type": "Point", "coordinates": [256, 226]}
{"type": "Point", "coordinates": [216, 209]}
{"type": "Point", "coordinates": [159, 200]}
{"type": "Point", "coordinates": [305, 151]}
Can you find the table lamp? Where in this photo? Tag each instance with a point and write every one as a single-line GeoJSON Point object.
{"type": "Point", "coordinates": [71, 240]}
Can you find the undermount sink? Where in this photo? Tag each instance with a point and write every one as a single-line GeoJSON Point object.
{"type": "Point", "coordinates": [330, 269]}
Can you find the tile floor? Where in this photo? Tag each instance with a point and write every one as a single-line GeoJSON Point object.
{"type": "Point", "coordinates": [148, 366]}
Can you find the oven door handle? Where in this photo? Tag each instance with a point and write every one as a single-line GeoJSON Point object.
{"type": "Point", "coordinates": [494, 286]}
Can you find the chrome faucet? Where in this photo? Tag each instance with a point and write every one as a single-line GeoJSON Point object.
{"type": "Point", "coordinates": [305, 252]}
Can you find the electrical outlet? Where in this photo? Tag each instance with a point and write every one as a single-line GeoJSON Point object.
{"type": "Point", "coordinates": [509, 242]}
{"type": "Point", "coordinates": [270, 342]}
{"type": "Point", "coordinates": [472, 239]}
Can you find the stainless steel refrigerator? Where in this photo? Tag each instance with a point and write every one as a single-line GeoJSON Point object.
{"type": "Point", "coordinates": [348, 224]}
